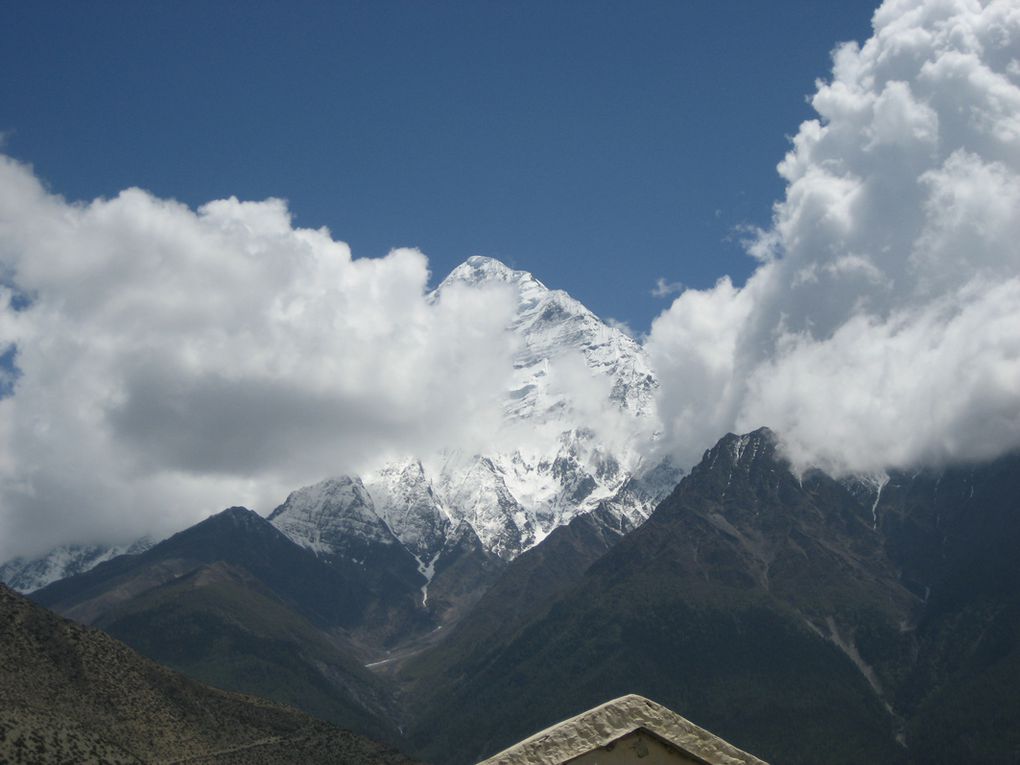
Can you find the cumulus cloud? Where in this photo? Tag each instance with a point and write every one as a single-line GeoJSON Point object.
{"type": "Point", "coordinates": [882, 327]}
{"type": "Point", "coordinates": [168, 362]}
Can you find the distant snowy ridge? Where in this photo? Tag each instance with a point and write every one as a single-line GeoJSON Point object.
{"type": "Point", "coordinates": [578, 417]}
{"type": "Point", "coordinates": [30, 574]}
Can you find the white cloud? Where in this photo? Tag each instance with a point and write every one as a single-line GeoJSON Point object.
{"type": "Point", "coordinates": [623, 326]}
{"type": "Point", "coordinates": [176, 361]}
{"type": "Point", "coordinates": [882, 328]}
{"type": "Point", "coordinates": [693, 349]}
{"type": "Point", "coordinates": [933, 384]}
{"type": "Point", "coordinates": [664, 288]}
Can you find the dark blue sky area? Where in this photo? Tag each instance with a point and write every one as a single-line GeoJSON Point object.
{"type": "Point", "coordinates": [598, 144]}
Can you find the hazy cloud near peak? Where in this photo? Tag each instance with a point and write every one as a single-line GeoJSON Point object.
{"type": "Point", "coordinates": [883, 327]}
{"type": "Point", "coordinates": [176, 361]}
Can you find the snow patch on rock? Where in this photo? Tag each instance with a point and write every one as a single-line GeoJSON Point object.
{"type": "Point", "coordinates": [30, 574]}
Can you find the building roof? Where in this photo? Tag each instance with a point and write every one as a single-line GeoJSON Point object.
{"type": "Point", "coordinates": [611, 721]}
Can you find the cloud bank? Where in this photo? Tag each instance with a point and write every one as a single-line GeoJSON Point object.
{"type": "Point", "coordinates": [882, 327]}
{"type": "Point", "coordinates": [158, 363]}
{"type": "Point", "coordinates": [171, 362]}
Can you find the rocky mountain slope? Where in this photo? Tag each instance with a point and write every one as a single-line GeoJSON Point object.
{"type": "Point", "coordinates": [233, 602]}
{"type": "Point", "coordinates": [531, 583]}
{"type": "Point", "coordinates": [339, 522]}
{"type": "Point", "coordinates": [72, 694]}
{"type": "Point", "coordinates": [754, 598]}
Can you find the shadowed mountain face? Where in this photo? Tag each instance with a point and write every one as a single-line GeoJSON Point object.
{"type": "Point", "coordinates": [233, 602]}
{"type": "Point", "coordinates": [73, 694]}
{"type": "Point", "coordinates": [529, 585]}
{"type": "Point", "coordinates": [803, 618]}
{"type": "Point", "coordinates": [236, 536]}
{"type": "Point", "coordinates": [371, 602]}
{"type": "Point", "coordinates": [955, 535]}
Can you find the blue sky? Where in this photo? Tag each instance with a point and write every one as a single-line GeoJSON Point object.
{"type": "Point", "coordinates": [601, 145]}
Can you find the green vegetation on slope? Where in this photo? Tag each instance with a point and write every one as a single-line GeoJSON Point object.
{"type": "Point", "coordinates": [73, 694]}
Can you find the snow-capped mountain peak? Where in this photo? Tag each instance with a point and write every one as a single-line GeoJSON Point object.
{"type": "Point", "coordinates": [478, 270]}
{"type": "Point", "coordinates": [581, 399]}
{"type": "Point", "coordinates": [333, 517]}
{"type": "Point", "coordinates": [406, 503]}
{"type": "Point", "coordinates": [559, 339]}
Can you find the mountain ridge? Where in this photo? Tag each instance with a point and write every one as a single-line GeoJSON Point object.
{"type": "Point", "coordinates": [754, 596]}
{"type": "Point", "coordinates": [874, 612]}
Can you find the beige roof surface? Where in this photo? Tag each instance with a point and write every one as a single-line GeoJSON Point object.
{"type": "Point", "coordinates": [606, 723]}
